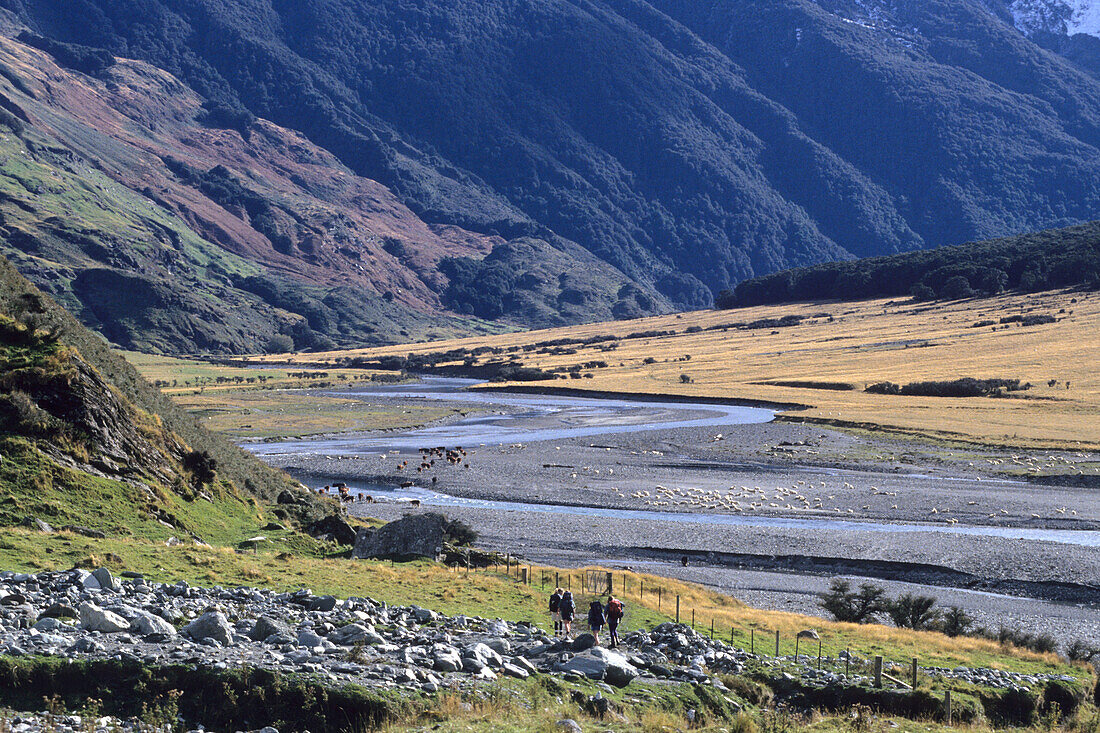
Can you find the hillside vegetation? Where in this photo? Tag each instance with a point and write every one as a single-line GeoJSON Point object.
{"type": "Point", "coordinates": [1059, 258]}
{"type": "Point", "coordinates": [822, 356]}
{"type": "Point", "coordinates": [683, 146]}
{"type": "Point", "coordinates": [88, 443]}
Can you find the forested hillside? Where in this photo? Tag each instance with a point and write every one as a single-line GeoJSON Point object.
{"type": "Point", "coordinates": [689, 144]}
{"type": "Point", "coordinates": [537, 163]}
{"type": "Point", "coordinates": [1057, 258]}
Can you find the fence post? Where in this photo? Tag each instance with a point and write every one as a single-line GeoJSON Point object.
{"type": "Point", "coordinates": [914, 674]}
{"type": "Point", "coordinates": [610, 581]}
{"type": "Point", "coordinates": [712, 627]}
{"type": "Point", "coordinates": [641, 590]}
{"type": "Point", "coordinates": [777, 642]}
{"type": "Point", "coordinates": [731, 636]}
{"type": "Point", "coordinates": [847, 660]}
{"type": "Point", "coordinates": [523, 579]}
{"type": "Point", "coordinates": [677, 609]}
{"type": "Point", "coordinates": [819, 653]}
{"type": "Point", "coordinates": [693, 619]}
{"type": "Point", "coordinates": [752, 641]}
{"type": "Point", "coordinates": [878, 671]}
{"type": "Point", "coordinates": [947, 705]}
{"type": "Point", "coordinates": [557, 580]}
{"type": "Point", "coordinates": [659, 594]}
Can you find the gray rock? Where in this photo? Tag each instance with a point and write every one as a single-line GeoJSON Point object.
{"type": "Point", "coordinates": [446, 658]}
{"type": "Point", "coordinates": [568, 725]}
{"type": "Point", "coordinates": [105, 579]}
{"type": "Point", "coordinates": [266, 627]}
{"type": "Point", "coordinates": [147, 624]}
{"type": "Point", "coordinates": [94, 618]}
{"type": "Point", "coordinates": [601, 664]}
{"type": "Point", "coordinates": [582, 642]}
{"type": "Point", "coordinates": [213, 625]}
{"type": "Point", "coordinates": [417, 535]}
{"type": "Point", "coordinates": [350, 634]}
{"type": "Point", "coordinates": [322, 603]}
{"type": "Point", "coordinates": [308, 639]}
{"type": "Point", "coordinates": [513, 670]}
{"type": "Point", "coordinates": [48, 624]}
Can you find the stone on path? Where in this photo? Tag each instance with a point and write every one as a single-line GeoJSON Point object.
{"type": "Point", "coordinates": [94, 618]}
{"type": "Point", "coordinates": [147, 624]}
{"type": "Point", "coordinates": [213, 625]}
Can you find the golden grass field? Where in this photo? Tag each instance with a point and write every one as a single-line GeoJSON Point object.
{"type": "Point", "coordinates": [276, 407]}
{"type": "Point", "coordinates": [854, 344]}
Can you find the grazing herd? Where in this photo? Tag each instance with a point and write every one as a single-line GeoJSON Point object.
{"type": "Point", "coordinates": [456, 457]}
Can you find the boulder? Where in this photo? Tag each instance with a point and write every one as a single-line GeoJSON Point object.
{"type": "Point", "coordinates": [335, 527]}
{"type": "Point", "coordinates": [322, 603]}
{"type": "Point", "coordinates": [266, 627]}
{"type": "Point", "coordinates": [60, 610]}
{"type": "Point", "coordinates": [105, 579]}
{"type": "Point", "coordinates": [601, 664]}
{"type": "Point", "coordinates": [352, 634]}
{"type": "Point", "coordinates": [417, 535]}
{"type": "Point", "coordinates": [147, 624]}
{"type": "Point", "coordinates": [94, 618]}
{"type": "Point", "coordinates": [513, 670]}
{"type": "Point", "coordinates": [446, 658]}
{"type": "Point", "coordinates": [582, 642]}
{"type": "Point", "coordinates": [213, 625]}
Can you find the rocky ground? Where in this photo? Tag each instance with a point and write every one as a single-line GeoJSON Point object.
{"type": "Point", "coordinates": [77, 614]}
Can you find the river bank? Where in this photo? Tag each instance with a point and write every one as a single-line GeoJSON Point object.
{"type": "Point", "coordinates": [613, 483]}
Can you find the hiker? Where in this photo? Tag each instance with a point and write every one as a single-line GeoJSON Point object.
{"type": "Point", "coordinates": [555, 600]}
{"type": "Point", "coordinates": [596, 619]}
{"type": "Point", "coordinates": [566, 609]}
{"type": "Point", "coordinates": [614, 616]}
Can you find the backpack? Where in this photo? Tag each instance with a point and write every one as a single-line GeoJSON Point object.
{"type": "Point", "coordinates": [615, 609]}
{"type": "Point", "coordinates": [555, 601]}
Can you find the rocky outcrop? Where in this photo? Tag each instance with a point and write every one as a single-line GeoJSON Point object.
{"type": "Point", "coordinates": [332, 528]}
{"type": "Point", "coordinates": [416, 535]}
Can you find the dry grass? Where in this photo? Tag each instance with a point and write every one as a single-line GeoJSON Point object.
{"type": "Point", "coordinates": [856, 344]}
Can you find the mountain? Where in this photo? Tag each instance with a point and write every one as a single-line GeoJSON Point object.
{"type": "Point", "coordinates": [85, 441]}
{"type": "Point", "coordinates": [166, 230]}
{"type": "Point", "coordinates": [663, 149]}
{"type": "Point", "coordinates": [1059, 258]}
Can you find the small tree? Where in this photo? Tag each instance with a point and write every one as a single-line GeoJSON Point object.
{"type": "Point", "coordinates": [956, 287]}
{"type": "Point", "coordinates": [955, 622]}
{"type": "Point", "coordinates": [853, 606]}
{"type": "Point", "coordinates": [909, 611]}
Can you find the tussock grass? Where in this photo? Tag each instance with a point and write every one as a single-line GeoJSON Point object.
{"type": "Point", "coordinates": [849, 343]}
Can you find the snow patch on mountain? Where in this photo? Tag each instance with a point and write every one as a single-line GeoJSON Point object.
{"type": "Point", "coordinates": [1062, 17]}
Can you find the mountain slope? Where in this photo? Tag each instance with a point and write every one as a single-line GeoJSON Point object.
{"type": "Point", "coordinates": [138, 208]}
{"type": "Point", "coordinates": [86, 441]}
{"type": "Point", "coordinates": [689, 144]}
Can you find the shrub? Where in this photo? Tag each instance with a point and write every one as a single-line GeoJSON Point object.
{"type": "Point", "coordinates": [280, 343]}
{"type": "Point", "coordinates": [955, 622]}
{"type": "Point", "coordinates": [909, 611]}
{"type": "Point", "coordinates": [202, 467]}
{"type": "Point", "coordinates": [957, 287]}
{"type": "Point", "coordinates": [845, 604]}
{"type": "Point", "coordinates": [459, 533]}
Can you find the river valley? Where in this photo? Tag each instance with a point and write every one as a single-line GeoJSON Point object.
{"type": "Point", "coordinates": [765, 510]}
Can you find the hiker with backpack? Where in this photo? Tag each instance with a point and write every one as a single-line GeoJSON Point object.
{"type": "Point", "coordinates": [555, 616]}
{"type": "Point", "coordinates": [566, 609]}
{"type": "Point", "coordinates": [615, 611]}
{"type": "Point", "coordinates": [596, 619]}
